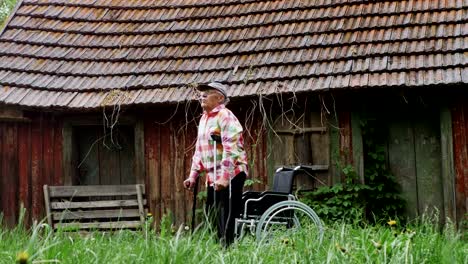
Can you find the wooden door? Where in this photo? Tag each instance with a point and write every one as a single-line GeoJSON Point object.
{"type": "Point", "coordinates": [414, 155]}
{"type": "Point", "coordinates": [301, 139]}
{"type": "Point", "coordinates": [105, 157]}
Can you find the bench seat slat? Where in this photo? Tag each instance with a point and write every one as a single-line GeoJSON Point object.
{"type": "Point", "coordinates": [92, 190]}
{"type": "Point", "coordinates": [95, 204]}
{"type": "Point", "coordinates": [101, 225]}
{"type": "Point", "coordinates": [95, 214]}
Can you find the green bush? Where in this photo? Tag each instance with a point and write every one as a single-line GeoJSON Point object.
{"type": "Point", "coordinates": [377, 199]}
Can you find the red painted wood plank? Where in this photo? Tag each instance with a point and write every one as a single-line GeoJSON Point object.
{"type": "Point", "coordinates": [2, 186]}
{"type": "Point", "coordinates": [24, 169]}
{"type": "Point", "coordinates": [58, 146]}
{"type": "Point", "coordinates": [255, 170]}
{"type": "Point", "coordinates": [47, 149]}
{"type": "Point", "coordinates": [10, 174]}
{"type": "Point", "coordinates": [460, 142]}
{"type": "Point", "coordinates": [36, 168]}
{"type": "Point", "coordinates": [152, 149]}
{"type": "Point", "coordinates": [179, 176]}
{"type": "Point", "coordinates": [263, 157]}
{"type": "Point", "coordinates": [167, 168]}
{"type": "Point", "coordinates": [346, 143]}
{"type": "Point", "coordinates": [190, 141]}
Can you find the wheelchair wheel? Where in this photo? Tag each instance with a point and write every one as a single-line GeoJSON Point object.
{"type": "Point", "coordinates": [288, 217]}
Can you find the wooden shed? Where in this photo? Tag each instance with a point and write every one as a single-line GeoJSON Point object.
{"type": "Point", "coordinates": [101, 92]}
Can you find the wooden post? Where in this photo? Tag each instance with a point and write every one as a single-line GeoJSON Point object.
{"type": "Point", "coordinates": [448, 167]}
{"type": "Point", "coordinates": [141, 209]}
{"type": "Point", "coordinates": [47, 205]}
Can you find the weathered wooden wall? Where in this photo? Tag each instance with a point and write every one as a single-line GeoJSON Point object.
{"type": "Point", "coordinates": [460, 150]}
{"type": "Point", "coordinates": [31, 156]}
{"type": "Point", "coordinates": [169, 147]}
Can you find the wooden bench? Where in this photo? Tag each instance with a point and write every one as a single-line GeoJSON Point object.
{"type": "Point", "coordinates": [95, 207]}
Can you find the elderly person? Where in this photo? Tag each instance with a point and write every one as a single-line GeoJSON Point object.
{"type": "Point", "coordinates": [231, 160]}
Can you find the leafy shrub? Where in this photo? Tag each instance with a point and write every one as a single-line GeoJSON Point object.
{"type": "Point", "coordinates": [377, 199]}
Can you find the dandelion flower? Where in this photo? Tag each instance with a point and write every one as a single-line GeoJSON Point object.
{"type": "Point", "coordinates": [22, 257]}
{"type": "Point", "coordinates": [149, 215]}
{"type": "Point", "coordinates": [377, 245]}
{"type": "Point", "coordinates": [342, 249]}
{"type": "Point", "coordinates": [391, 223]}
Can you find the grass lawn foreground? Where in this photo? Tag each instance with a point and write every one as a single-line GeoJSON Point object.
{"type": "Point", "coordinates": [420, 242]}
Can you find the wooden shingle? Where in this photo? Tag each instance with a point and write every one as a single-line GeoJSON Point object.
{"type": "Point", "coordinates": [76, 50]}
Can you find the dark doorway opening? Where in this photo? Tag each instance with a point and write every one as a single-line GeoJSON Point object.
{"type": "Point", "coordinates": [104, 156]}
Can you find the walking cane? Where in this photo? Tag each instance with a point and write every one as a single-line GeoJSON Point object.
{"type": "Point", "coordinates": [194, 205]}
{"type": "Point", "coordinates": [216, 139]}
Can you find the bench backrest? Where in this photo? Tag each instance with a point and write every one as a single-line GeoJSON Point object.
{"type": "Point", "coordinates": [95, 207]}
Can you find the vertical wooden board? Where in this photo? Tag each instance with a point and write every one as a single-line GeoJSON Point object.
{"type": "Point", "coordinates": [460, 138]}
{"type": "Point", "coordinates": [109, 157]}
{"type": "Point", "coordinates": [270, 157]}
{"type": "Point", "coordinates": [428, 162]}
{"type": "Point", "coordinates": [179, 176]}
{"type": "Point", "coordinates": [67, 154]}
{"type": "Point", "coordinates": [88, 160]}
{"type": "Point", "coordinates": [283, 147]}
{"type": "Point", "coordinates": [254, 142]}
{"type": "Point", "coordinates": [346, 147]}
{"type": "Point", "coordinates": [140, 152]}
{"type": "Point", "coordinates": [152, 154]}
{"type": "Point", "coordinates": [127, 155]}
{"type": "Point", "coordinates": [166, 158]}
{"type": "Point", "coordinates": [334, 139]}
{"type": "Point", "coordinates": [36, 168]}
{"type": "Point", "coordinates": [47, 149]}
{"type": "Point", "coordinates": [24, 169]}
{"type": "Point", "coordinates": [448, 169]}
{"type": "Point", "coordinates": [303, 156]}
{"type": "Point", "coordinates": [358, 148]}
{"type": "Point", "coordinates": [464, 182]}
{"type": "Point", "coordinates": [189, 147]}
{"type": "Point", "coordinates": [320, 141]}
{"type": "Point", "coordinates": [58, 153]}
{"type": "Point", "coordinates": [262, 153]}
{"type": "Point", "coordinates": [10, 174]}
{"type": "Point", "coordinates": [320, 148]}
{"type": "Point", "coordinates": [402, 160]}
{"type": "Point", "coordinates": [1, 167]}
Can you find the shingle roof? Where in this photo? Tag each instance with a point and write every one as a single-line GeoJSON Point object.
{"type": "Point", "coordinates": [88, 53]}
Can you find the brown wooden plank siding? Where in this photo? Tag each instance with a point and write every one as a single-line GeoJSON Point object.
{"type": "Point", "coordinates": [346, 140]}
{"type": "Point", "coordinates": [152, 161]}
{"type": "Point", "coordinates": [9, 171]}
{"type": "Point", "coordinates": [29, 160]}
{"type": "Point", "coordinates": [460, 148]}
{"type": "Point", "coordinates": [168, 155]}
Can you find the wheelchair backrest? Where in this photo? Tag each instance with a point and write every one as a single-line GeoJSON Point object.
{"type": "Point", "coordinates": [283, 180]}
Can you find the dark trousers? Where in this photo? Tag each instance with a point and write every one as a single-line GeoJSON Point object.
{"type": "Point", "coordinates": [226, 211]}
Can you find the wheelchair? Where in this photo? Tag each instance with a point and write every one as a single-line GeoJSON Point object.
{"type": "Point", "coordinates": [264, 213]}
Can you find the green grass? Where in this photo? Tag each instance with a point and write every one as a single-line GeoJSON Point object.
{"type": "Point", "coordinates": [420, 242]}
{"type": "Point", "coordinates": [6, 6]}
